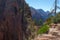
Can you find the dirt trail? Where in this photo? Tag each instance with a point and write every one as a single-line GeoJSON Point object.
{"type": "Point", "coordinates": [54, 34]}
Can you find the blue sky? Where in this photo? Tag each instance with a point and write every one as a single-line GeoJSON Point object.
{"type": "Point", "coordinates": [42, 4]}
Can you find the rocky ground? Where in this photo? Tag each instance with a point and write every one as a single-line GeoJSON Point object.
{"type": "Point", "coordinates": [53, 34]}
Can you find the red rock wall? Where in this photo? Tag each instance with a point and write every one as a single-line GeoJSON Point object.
{"type": "Point", "coordinates": [11, 20]}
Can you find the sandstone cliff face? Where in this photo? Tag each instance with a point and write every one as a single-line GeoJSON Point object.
{"type": "Point", "coordinates": [13, 14]}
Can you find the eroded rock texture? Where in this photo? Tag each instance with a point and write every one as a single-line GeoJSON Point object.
{"type": "Point", "coordinates": [13, 23]}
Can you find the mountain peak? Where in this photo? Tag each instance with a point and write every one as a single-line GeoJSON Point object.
{"type": "Point", "coordinates": [39, 14]}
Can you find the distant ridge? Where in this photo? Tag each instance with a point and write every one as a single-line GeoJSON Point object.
{"type": "Point", "coordinates": [39, 14]}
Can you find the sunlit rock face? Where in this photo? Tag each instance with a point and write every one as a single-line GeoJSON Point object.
{"type": "Point", "coordinates": [12, 13]}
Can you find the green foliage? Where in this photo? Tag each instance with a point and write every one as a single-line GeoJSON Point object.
{"type": "Point", "coordinates": [43, 29]}
{"type": "Point", "coordinates": [49, 20]}
{"type": "Point", "coordinates": [53, 19]}
{"type": "Point", "coordinates": [57, 18]}
{"type": "Point", "coordinates": [39, 22]}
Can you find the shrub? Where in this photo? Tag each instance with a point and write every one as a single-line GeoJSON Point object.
{"type": "Point", "coordinates": [43, 29]}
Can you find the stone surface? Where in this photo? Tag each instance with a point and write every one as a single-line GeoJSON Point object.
{"type": "Point", "coordinates": [54, 34]}
{"type": "Point", "coordinates": [12, 24]}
